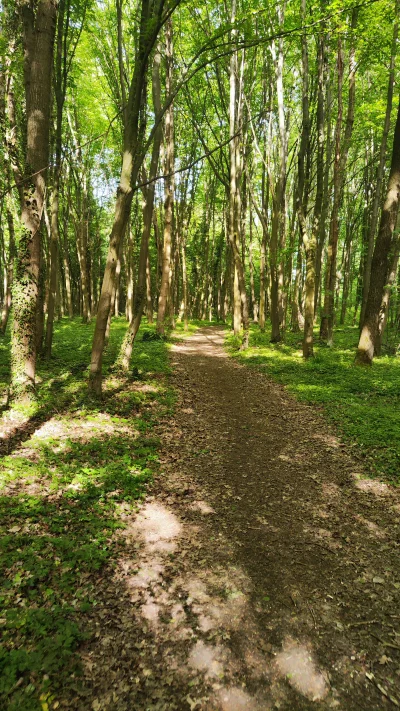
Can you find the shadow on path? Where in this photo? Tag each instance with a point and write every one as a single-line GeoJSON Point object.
{"type": "Point", "coordinates": [262, 573]}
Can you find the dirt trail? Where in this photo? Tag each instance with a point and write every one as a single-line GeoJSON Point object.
{"type": "Point", "coordinates": [263, 572]}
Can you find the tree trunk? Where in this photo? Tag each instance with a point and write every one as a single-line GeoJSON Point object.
{"type": "Point", "coordinates": [384, 310]}
{"type": "Point", "coordinates": [240, 296]}
{"type": "Point", "coordinates": [346, 271]}
{"type": "Point", "coordinates": [297, 316]}
{"type": "Point", "coordinates": [149, 298]}
{"type": "Point", "coordinates": [381, 168]}
{"type": "Point", "coordinates": [9, 273]}
{"type": "Point", "coordinates": [7, 108]}
{"type": "Point", "coordinates": [150, 24]}
{"type": "Point", "coordinates": [130, 288]}
{"type": "Point", "coordinates": [382, 256]}
{"type": "Point", "coordinates": [341, 152]}
{"type": "Point", "coordinates": [143, 285]}
{"type": "Point", "coordinates": [38, 38]}
{"type": "Point", "coordinates": [310, 240]}
{"type": "Point", "coordinates": [263, 247]}
{"type": "Point", "coordinates": [277, 240]}
{"type": "Point", "coordinates": [60, 89]}
{"type": "Point", "coordinates": [254, 305]}
{"type": "Point", "coordinates": [165, 288]}
{"type": "Point", "coordinates": [321, 237]}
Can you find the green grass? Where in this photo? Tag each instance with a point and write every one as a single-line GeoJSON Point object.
{"type": "Point", "coordinates": [61, 498]}
{"type": "Point", "coordinates": [363, 403]}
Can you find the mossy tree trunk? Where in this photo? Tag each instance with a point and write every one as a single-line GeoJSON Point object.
{"type": "Point", "coordinates": [38, 39]}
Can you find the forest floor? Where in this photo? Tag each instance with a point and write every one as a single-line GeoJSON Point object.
{"type": "Point", "coordinates": [259, 573]}
{"type": "Point", "coordinates": [263, 569]}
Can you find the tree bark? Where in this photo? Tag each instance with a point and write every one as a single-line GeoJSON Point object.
{"type": "Point", "coordinates": [9, 273]}
{"type": "Point", "coordinates": [380, 172]}
{"type": "Point", "coordinates": [165, 288]}
{"type": "Point", "coordinates": [38, 38]}
{"type": "Point", "coordinates": [310, 238]}
{"type": "Point", "coordinates": [277, 239]}
{"type": "Point", "coordinates": [382, 256]}
{"type": "Point", "coordinates": [149, 298]}
{"type": "Point", "coordinates": [150, 23]}
{"type": "Point", "coordinates": [240, 296]}
{"type": "Point", "coordinates": [341, 153]}
{"type": "Point", "coordinates": [143, 285]}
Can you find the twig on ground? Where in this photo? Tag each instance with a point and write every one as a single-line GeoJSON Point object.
{"type": "Point", "coordinates": [382, 689]}
{"type": "Point", "coordinates": [365, 622]}
{"type": "Point", "coordinates": [385, 644]}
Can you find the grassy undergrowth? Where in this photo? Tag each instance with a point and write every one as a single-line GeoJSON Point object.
{"type": "Point", "coordinates": [364, 403]}
{"type": "Point", "coordinates": [63, 487]}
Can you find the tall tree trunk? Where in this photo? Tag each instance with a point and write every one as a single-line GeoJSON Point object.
{"type": "Point", "coordinates": [150, 24]}
{"type": "Point", "coordinates": [391, 280]}
{"type": "Point", "coordinates": [60, 89]}
{"type": "Point", "coordinates": [263, 247]}
{"type": "Point", "coordinates": [382, 256]}
{"type": "Point", "coordinates": [9, 130]}
{"type": "Point", "coordinates": [310, 239]}
{"type": "Point", "coordinates": [130, 287]}
{"type": "Point", "coordinates": [321, 236]}
{"type": "Point", "coordinates": [346, 271]}
{"type": "Point", "coordinates": [277, 239]}
{"type": "Point", "coordinates": [117, 291]}
{"type": "Point", "coordinates": [341, 152]}
{"type": "Point", "coordinates": [254, 305]}
{"type": "Point", "coordinates": [240, 296]}
{"type": "Point", "coordinates": [67, 271]}
{"type": "Point", "coordinates": [143, 285]}
{"type": "Point", "coordinates": [149, 298]}
{"type": "Point", "coordinates": [9, 272]}
{"type": "Point", "coordinates": [81, 243]}
{"type": "Point", "coordinates": [38, 39]}
{"type": "Point", "coordinates": [380, 172]}
{"type": "Point", "coordinates": [165, 288]}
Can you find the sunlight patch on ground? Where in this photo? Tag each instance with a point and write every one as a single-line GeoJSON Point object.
{"type": "Point", "coordinates": [372, 527]}
{"type": "Point", "coordinates": [150, 612]}
{"type": "Point", "coordinates": [205, 658]}
{"type": "Point", "coordinates": [328, 439]}
{"type": "Point", "coordinates": [10, 422]}
{"type": "Point", "coordinates": [77, 428]}
{"type": "Point", "coordinates": [371, 486]}
{"type": "Point", "coordinates": [203, 507]}
{"type": "Point", "coordinates": [296, 664]}
{"type": "Point", "coordinates": [158, 527]}
{"type": "Point", "coordinates": [235, 699]}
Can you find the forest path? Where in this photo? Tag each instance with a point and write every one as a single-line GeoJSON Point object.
{"type": "Point", "coordinates": [267, 574]}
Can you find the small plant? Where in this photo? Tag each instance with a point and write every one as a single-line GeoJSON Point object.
{"type": "Point", "coordinates": [152, 336]}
